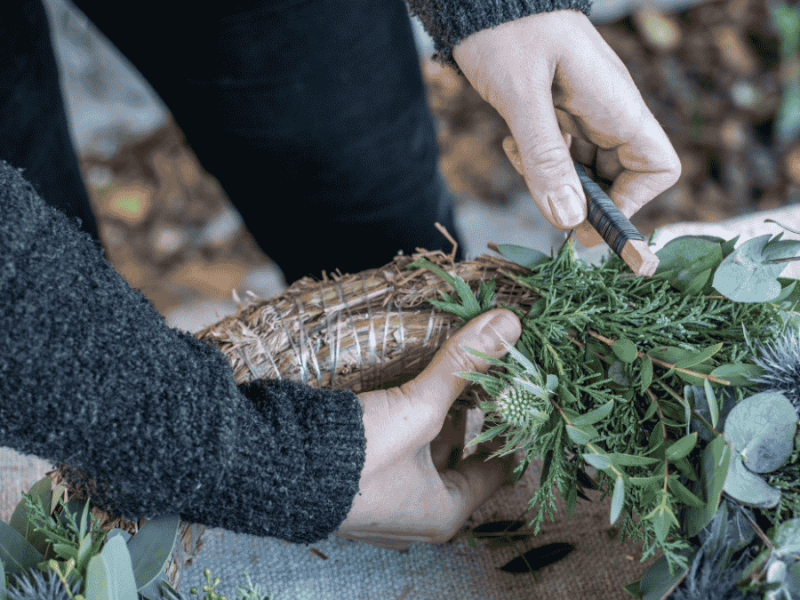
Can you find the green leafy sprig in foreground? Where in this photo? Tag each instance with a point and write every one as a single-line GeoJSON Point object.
{"type": "Point", "coordinates": [635, 376]}
{"type": "Point", "coordinates": [77, 540]}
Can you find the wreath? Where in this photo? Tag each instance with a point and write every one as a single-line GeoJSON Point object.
{"type": "Point", "coordinates": [701, 361]}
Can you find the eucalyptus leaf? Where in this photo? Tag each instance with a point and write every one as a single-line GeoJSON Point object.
{"type": "Point", "coordinates": [762, 428]}
{"type": "Point", "coordinates": [790, 583]}
{"type": "Point", "coordinates": [747, 275]}
{"type": "Point", "coordinates": [571, 500]}
{"type": "Point", "coordinates": [617, 500]}
{"type": "Point", "coordinates": [686, 469]}
{"type": "Point", "coordinates": [696, 396]}
{"type": "Point", "coordinates": [647, 373]}
{"type": "Point", "coordinates": [39, 493]}
{"type": "Point", "coordinates": [713, 408]}
{"type": "Point", "coordinates": [662, 522]}
{"type": "Point", "coordinates": [152, 546]}
{"type": "Point", "coordinates": [688, 376]}
{"type": "Point", "coordinates": [593, 416]}
{"type": "Point", "coordinates": [17, 553]}
{"type": "Point", "coordinates": [781, 250]}
{"type": "Point", "coordinates": [524, 257]}
{"type": "Point", "coordinates": [787, 536]}
{"type": "Point", "coordinates": [688, 257]}
{"type": "Point", "coordinates": [682, 447]}
{"type": "Point", "coordinates": [789, 293]}
{"type": "Point", "coordinates": [748, 488]}
{"type": "Point", "coordinates": [630, 460]}
{"type": "Point", "coordinates": [597, 461]}
{"type": "Point", "coordinates": [683, 494]}
{"type": "Point", "coordinates": [653, 480]}
{"type": "Point", "coordinates": [618, 373]}
{"type": "Point", "coordinates": [698, 283]}
{"type": "Point", "coordinates": [658, 582]}
{"type": "Point", "coordinates": [582, 434]}
{"type": "Point", "coordinates": [634, 590]}
{"type": "Point", "coordinates": [625, 350]}
{"type": "Point", "coordinates": [782, 225]}
{"type": "Point", "coordinates": [670, 354]}
{"type": "Point", "coordinates": [698, 357]}
{"type": "Point", "coordinates": [738, 374]}
{"type": "Point", "coordinates": [109, 575]}
{"type": "Point", "coordinates": [715, 467]}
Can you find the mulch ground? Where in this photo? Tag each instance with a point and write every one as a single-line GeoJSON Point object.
{"type": "Point", "coordinates": [712, 75]}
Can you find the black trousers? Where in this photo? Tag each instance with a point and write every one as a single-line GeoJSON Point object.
{"type": "Point", "coordinates": [311, 114]}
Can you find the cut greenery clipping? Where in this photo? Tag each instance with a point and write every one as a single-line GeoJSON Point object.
{"type": "Point", "coordinates": [702, 362]}
{"type": "Point", "coordinates": [52, 550]}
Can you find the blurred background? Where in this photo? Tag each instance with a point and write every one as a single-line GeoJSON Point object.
{"type": "Point", "coordinates": [720, 76]}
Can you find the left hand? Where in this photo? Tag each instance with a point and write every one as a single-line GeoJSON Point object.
{"type": "Point", "coordinates": [561, 88]}
{"type": "Point", "coordinates": [406, 492]}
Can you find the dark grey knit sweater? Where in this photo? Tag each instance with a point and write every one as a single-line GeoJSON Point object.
{"type": "Point", "coordinates": [91, 375]}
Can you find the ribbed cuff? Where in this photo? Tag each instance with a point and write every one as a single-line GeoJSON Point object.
{"type": "Point", "coordinates": [295, 469]}
{"type": "Point", "coordinates": [450, 21]}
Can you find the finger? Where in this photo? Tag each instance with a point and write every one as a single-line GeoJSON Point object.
{"type": "Point", "coordinates": [546, 164]}
{"type": "Point", "coordinates": [439, 383]}
{"type": "Point", "coordinates": [448, 446]}
{"type": "Point", "coordinates": [605, 107]}
{"type": "Point", "coordinates": [474, 482]}
{"type": "Point", "coordinates": [585, 232]}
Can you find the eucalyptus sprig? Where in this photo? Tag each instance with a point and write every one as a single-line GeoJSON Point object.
{"type": "Point", "coordinates": [79, 545]}
{"type": "Point", "coordinates": [636, 376]}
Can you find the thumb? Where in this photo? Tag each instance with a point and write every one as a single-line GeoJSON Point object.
{"type": "Point", "coordinates": [439, 383]}
{"type": "Point", "coordinates": [553, 183]}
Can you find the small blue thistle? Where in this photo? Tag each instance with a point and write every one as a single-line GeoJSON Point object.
{"type": "Point", "coordinates": [780, 360]}
{"type": "Point", "coordinates": [37, 588]}
{"type": "Point", "coordinates": [710, 578]}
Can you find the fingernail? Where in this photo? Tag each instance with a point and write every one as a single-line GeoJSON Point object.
{"type": "Point", "coordinates": [568, 209]}
{"type": "Point", "coordinates": [505, 325]}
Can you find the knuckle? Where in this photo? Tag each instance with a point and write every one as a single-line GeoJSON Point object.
{"type": "Point", "coordinates": [461, 360]}
{"type": "Point", "coordinates": [550, 156]}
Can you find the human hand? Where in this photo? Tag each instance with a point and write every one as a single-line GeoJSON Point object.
{"type": "Point", "coordinates": [565, 93]}
{"type": "Point", "coordinates": [404, 494]}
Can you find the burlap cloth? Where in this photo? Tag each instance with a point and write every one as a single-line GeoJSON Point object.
{"type": "Point", "coordinates": [597, 569]}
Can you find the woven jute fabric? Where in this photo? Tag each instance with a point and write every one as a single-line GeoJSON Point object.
{"type": "Point", "coordinates": [596, 569]}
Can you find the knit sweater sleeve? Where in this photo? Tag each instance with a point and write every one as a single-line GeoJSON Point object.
{"type": "Point", "coordinates": [91, 376]}
{"type": "Point", "coordinates": [450, 21]}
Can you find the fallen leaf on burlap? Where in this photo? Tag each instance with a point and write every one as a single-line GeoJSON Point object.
{"type": "Point", "coordinates": [538, 558]}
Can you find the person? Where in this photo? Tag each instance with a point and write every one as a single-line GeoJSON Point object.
{"type": "Point", "coordinates": [313, 117]}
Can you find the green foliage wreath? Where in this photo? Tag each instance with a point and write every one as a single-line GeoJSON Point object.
{"type": "Point", "coordinates": [700, 361]}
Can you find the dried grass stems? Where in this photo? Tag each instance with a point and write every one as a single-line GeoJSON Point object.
{"type": "Point", "coordinates": [365, 331]}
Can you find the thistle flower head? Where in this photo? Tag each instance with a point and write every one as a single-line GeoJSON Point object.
{"type": "Point", "coordinates": [780, 361]}
{"type": "Point", "coordinates": [518, 405]}
{"type": "Point", "coordinates": [710, 579]}
{"type": "Point", "coordinates": [41, 587]}
{"type": "Point", "coordinates": [524, 404]}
